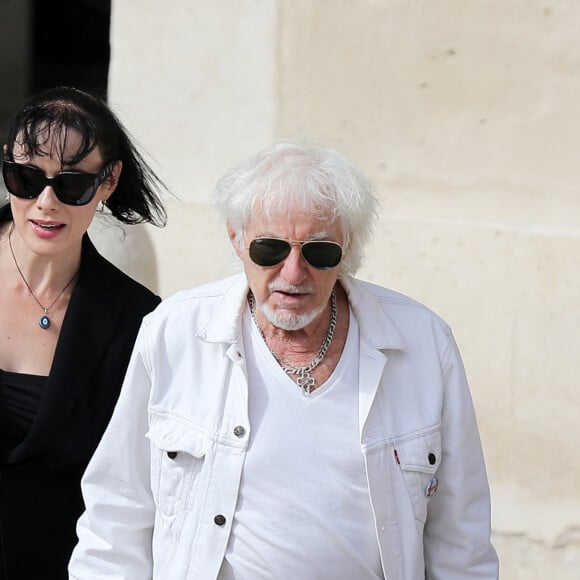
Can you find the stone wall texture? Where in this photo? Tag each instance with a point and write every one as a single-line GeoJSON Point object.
{"type": "Point", "coordinates": [466, 116]}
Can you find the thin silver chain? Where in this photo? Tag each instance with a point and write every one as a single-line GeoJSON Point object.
{"type": "Point", "coordinates": [305, 379]}
{"type": "Point", "coordinates": [44, 322]}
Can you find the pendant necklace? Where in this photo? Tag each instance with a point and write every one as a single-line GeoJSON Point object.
{"type": "Point", "coordinates": [44, 320]}
{"type": "Point", "coordinates": [305, 379]}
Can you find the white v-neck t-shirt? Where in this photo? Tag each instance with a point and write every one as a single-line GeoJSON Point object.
{"type": "Point", "coordinates": [304, 508]}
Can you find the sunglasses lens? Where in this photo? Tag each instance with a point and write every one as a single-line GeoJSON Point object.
{"type": "Point", "coordinates": [268, 251]}
{"type": "Point", "coordinates": [74, 188]}
{"type": "Point", "coordinates": [70, 187]}
{"type": "Point", "coordinates": [23, 181]}
{"type": "Point", "coordinates": [322, 255]}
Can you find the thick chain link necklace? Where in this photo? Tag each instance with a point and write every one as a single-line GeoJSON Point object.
{"type": "Point", "coordinates": [305, 379]}
{"type": "Point", "coordinates": [44, 320]}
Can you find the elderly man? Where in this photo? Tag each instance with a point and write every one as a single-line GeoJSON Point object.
{"type": "Point", "coordinates": [290, 422]}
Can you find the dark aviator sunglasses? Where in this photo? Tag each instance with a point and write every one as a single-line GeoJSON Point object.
{"type": "Point", "coordinates": [70, 187]}
{"type": "Point", "coordinates": [321, 254]}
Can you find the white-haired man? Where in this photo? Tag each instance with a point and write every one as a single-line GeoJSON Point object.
{"type": "Point", "coordinates": [291, 422]}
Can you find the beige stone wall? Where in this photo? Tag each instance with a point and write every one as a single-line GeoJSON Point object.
{"type": "Point", "coordinates": [466, 116]}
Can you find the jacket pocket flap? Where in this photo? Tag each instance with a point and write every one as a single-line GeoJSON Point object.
{"type": "Point", "coordinates": [171, 434]}
{"type": "Point", "coordinates": [421, 453]}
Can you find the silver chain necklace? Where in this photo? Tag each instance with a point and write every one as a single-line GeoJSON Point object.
{"type": "Point", "coordinates": [44, 320]}
{"type": "Point", "coordinates": [305, 379]}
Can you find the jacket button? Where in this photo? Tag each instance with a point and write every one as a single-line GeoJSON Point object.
{"type": "Point", "coordinates": [432, 459]}
{"type": "Point", "coordinates": [172, 454]}
{"type": "Point", "coordinates": [219, 520]}
{"type": "Point", "coordinates": [239, 431]}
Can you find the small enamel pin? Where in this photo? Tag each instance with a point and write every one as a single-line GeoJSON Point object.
{"type": "Point", "coordinates": [432, 486]}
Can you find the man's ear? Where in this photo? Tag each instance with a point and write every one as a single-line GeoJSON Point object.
{"type": "Point", "coordinates": [235, 238]}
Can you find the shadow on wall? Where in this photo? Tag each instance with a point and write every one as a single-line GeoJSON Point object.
{"type": "Point", "coordinates": [128, 247]}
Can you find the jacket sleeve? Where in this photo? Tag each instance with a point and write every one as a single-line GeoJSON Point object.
{"type": "Point", "coordinates": [115, 531]}
{"type": "Point", "coordinates": [457, 543]}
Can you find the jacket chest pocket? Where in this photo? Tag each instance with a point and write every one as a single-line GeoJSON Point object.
{"type": "Point", "coordinates": [177, 457]}
{"type": "Point", "coordinates": [419, 459]}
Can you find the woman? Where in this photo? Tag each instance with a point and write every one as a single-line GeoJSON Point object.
{"type": "Point", "coordinates": [68, 318]}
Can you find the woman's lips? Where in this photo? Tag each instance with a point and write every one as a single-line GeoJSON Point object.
{"type": "Point", "coordinates": [46, 229]}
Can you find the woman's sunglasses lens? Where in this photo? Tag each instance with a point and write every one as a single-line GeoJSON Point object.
{"type": "Point", "coordinates": [22, 181]}
{"type": "Point", "coordinates": [322, 255]}
{"type": "Point", "coordinates": [268, 252]}
{"type": "Point", "coordinates": [74, 188]}
{"type": "Point", "coordinates": [28, 182]}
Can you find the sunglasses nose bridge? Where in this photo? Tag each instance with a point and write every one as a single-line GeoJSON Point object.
{"type": "Point", "coordinates": [295, 257]}
{"type": "Point", "coordinates": [47, 195]}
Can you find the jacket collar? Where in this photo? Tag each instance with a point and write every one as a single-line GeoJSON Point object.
{"type": "Point", "coordinates": [225, 324]}
{"type": "Point", "coordinates": [375, 325]}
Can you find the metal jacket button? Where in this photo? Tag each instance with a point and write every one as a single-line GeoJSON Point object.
{"type": "Point", "coordinates": [239, 431]}
{"type": "Point", "coordinates": [432, 458]}
{"type": "Point", "coordinates": [172, 454]}
{"type": "Point", "coordinates": [219, 520]}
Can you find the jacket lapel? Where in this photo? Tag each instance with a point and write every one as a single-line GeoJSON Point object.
{"type": "Point", "coordinates": [94, 309]}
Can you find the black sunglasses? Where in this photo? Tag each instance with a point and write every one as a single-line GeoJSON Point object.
{"type": "Point", "coordinates": [322, 254]}
{"type": "Point", "coordinates": [70, 187]}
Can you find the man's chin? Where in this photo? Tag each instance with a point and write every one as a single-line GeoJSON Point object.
{"type": "Point", "coordinates": [289, 321]}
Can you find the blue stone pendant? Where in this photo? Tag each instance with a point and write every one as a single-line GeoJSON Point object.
{"type": "Point", "coordinates": [44, 322]}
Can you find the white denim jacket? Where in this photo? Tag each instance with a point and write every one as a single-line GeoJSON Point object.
{"type": "Point", "coordinates": [162, 487]}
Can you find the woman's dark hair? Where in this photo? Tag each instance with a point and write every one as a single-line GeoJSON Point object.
{"type": "Point", "coordinates": [58, 110]}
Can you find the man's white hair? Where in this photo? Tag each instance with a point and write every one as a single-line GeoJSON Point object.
{"type": "Point", "coordinates": [301, 177]}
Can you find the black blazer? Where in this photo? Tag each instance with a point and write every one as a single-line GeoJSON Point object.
{"type": "Point", "coordinates": [40, 498]}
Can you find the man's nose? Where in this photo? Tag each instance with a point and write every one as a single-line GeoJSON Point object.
{"type": "Point", "coordinates": [294, 266]}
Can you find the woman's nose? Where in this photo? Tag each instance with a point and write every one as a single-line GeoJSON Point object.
{"type": "Point", "coordinates": [47, 199]}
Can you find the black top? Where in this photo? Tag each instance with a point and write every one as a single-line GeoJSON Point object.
{"type": "Point", "coordinates": [19, 398]}
{"type": "Point", "coordinates": [40, 498]}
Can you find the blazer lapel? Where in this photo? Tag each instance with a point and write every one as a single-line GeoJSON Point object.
{"type": "Point", "coordinates": [94, 309]}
